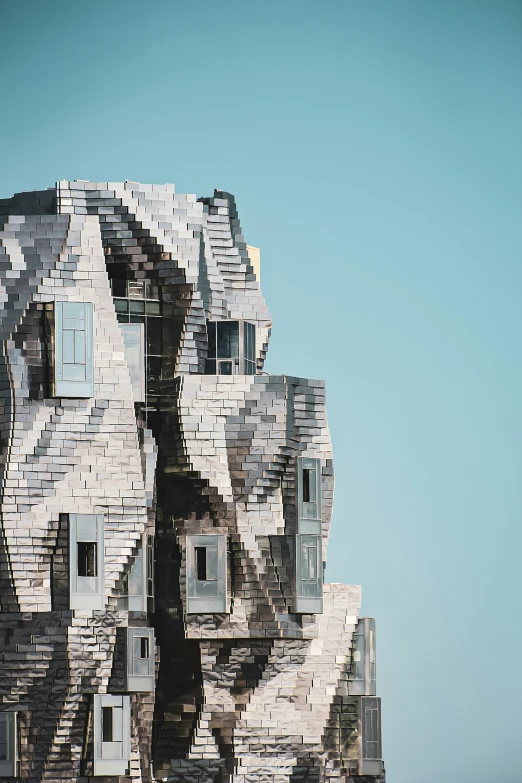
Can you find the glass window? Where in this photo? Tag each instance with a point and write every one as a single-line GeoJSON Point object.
{"type": "Point", "coordinates": [227, 339]}
{"type": "Point", "coordinates": [87, 558]}
{"type": "Point", "coordinates": [73, 372]}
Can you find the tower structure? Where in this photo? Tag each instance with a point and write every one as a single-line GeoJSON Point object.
{"type": "Point", "coordinates": [165, 510]}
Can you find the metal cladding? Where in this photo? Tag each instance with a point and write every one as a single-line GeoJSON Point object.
{"type": "Point", "coordinates": [165, 510]}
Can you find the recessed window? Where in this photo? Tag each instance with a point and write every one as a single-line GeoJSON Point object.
{"type": "Point", "coordinates": [140, 659]}
{"type": "Point", "coordinates": [107, 724]}
{"type": "Point", "coordinates": [144, 647]}
{"type": "Point", "coordinates": [87, 558]}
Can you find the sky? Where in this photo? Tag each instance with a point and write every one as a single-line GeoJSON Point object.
{"type": "Point", "coordinates": [374, 149]}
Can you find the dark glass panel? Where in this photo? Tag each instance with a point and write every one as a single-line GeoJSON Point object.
{"type": "Point", "coordinates": [210, 367]}
{"type": "Point", "coordinates": [121, 305]}
{"type": "Point", "coordinates": [154, 336]}
{"type": "Point", "coordinates": [211, 328]}
{"type": "Point", "coordinates": [227, 339]}
{"type": "Point", "coordinates": [137, 306]}
{"type": "Point", "coordinates": [106, 724]}
{"type": "Point", "coordinates": [86, 558]}
{"type": "Point", "coordinates": [225, 368]}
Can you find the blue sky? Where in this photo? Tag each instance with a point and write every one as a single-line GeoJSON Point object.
{"type": "Point", "coordinates": [375, 152]}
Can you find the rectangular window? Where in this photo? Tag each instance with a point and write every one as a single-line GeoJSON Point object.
{"type": "Point", "coordinates": [111, 717]}
{"type": "Point", "coordinates": [150, 568]}
{"type": "Point", "coordinates": [86, 566]}
{"type": "Point", "coordinates": [73, 349]}
{"type": "Point", "coordinates": [309, 574]}
{"type": "Point", "coordinates": [231, 348]}
{"type": "Point", "coordinates": [134, 345]}
{"type": "Point", "coordinates": [206, 574]}
{"type": "Point", "coordinates": [140, 659]}
{"type": "Point", "coordinates": [370, 735]}
{"type": "Point", "coordinates": [308, 495]}
{"type": "Point", "coordinates": [87, 558]}
{"type": "Point", "coordinates": [362, 679]}
{"type": "Point", "coordinates": [9, 761]}
{"type": "Point", "coordinates": [107, 724]}
{"type": "Point", "coordinates": [249, 348]}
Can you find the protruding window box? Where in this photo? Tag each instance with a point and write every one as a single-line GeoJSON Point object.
{"type": "Point", "coordinates": [9, 761]}
{"type": "Point", "coordinates": [309, 495]}
{"type": "Point", "coordinates": [72, 349]}
{"type": "Point", "coordinates": [231, 348]}
{"type": "Point", "coordinates": [308, 575]}
{"type": "Point", "coordinates": [86, 561]}
{"type": "Point", "coordinates": [207, 574]}
{"type": "Point", "coordinates": [111, 734]}
{"type": "Point", "coordinates": [140, 659]}
{"type": "Point", "coordinates": [363, 665]}
{"type": "Point", "coordinates": [370, 755]}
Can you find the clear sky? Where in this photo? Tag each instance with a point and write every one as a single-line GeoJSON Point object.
{"type": "Point", "coordinates": [375, 152]}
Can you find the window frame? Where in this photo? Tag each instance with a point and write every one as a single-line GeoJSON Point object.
{"type": "Point", "coordinates": [86, 592]}
{"type": "Point", "coordinates": [104, 760]}
{"type": "Point", "coordinates": [309, 519]}
{"type": "Point", "coordinates": [305, 602]}
{"type": "Point", "coordinates": [206, 596]}
{"type": "Point", "coordinates": [65, 387]}
{"type": "Point", "coordinates": [9, 767]}
{"type": "Point", "coordinates": [139, 681]}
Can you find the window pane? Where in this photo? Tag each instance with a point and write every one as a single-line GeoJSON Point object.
{"type": "Point", "coordinates": [107, 724]}
{"type": "Point", "coordinates": [212, 563]}
{"type": "Point", "coordinates": [87, 558]}
{"type": "Point", "coordinates": [119, 287]}
{"type": "Point", "coordinates": [227, 340]}
{"type": "Point", "coordinates": [225, 368]}
{"type": "Point", "coordinates": [152, 308]}
{"type": "Point", "coordinates": [144, 646]}
{"type": "Point", "coordinates": [201, 563]}
{"type": "Point", "coordinates": [210, 367]}
{"type": "Point", "coordinates": [3, 740]}
{"type": "Point", "coordinates": [137, 307]}
{"type": "Point", "coordinates": [211, 329]}
{"type": "Point", "coordinates": [136, 288]}
{"type": "Point", "coordinates": [79, 347]}
{"type": "Point", "coordinates": [154, 336]}
{"type": "Point", "coordinates": [68, 346]}
{"type": "Point", "coordinates": [73, 310]}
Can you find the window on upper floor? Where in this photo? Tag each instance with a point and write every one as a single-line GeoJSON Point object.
{"type": "Point", "coordinates": [206, 565]}
{"type": "Point", "coordinates": [308, 471]}
{"type": "Point", "coordinates": [72, 349]}
{"type": "Point", "coordinates": [231, 348]}
{"type": "Point", "coordinates": [308, 575]}
{"type": "Point", "coordinates": [86, 561]}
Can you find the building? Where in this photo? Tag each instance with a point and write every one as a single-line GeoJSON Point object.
{"type": "Point", "coordinates": [165, 508]}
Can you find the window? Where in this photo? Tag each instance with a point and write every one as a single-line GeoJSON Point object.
{"type": "Point", "coordinates": [139, 309]}
{"type": "Point", "coordinates": [111, 717]}
{"type": "Point", "coordinates": [308, 495]}
{"type": "Point", "coordinates": [73, 349]}
{"type": "Point", "coordinates": [134, 344]}
{"type": "Point", "coordinates": [150, 573]}
{"type": "Point", "coordinates": [309, 575]}
{"type": "Point", "coordinates": [206, 574]}
{"type": "Point", "coordinates": [370, 736]}
{"type": "Point", "coordinates": [231, 348]}
{"type": "Point", "coordinates": [140, 659]}
{"type": "Point", "coordinates": [9, 744]}
{"type": "Point", "coordinates": [86, 566]}
{"type": "Point", "coordinates": [362, 670]}
{"type": "Point", "coordinates": [249, 349]}
{"type": "Point", "coordinates": [87, 558]}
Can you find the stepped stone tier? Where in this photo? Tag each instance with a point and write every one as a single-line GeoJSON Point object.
{"type": "Point", "coordinates": [165, 510]}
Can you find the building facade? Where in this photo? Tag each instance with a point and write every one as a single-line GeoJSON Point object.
{"type": "Point", "coordinates": [165, 510]}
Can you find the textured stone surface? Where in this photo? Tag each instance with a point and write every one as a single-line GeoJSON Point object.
{"type": "Point", "coordinates": [250, 696]}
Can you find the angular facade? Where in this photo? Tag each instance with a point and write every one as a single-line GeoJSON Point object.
{"type": "Point", "coordinates": [165, 510]}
